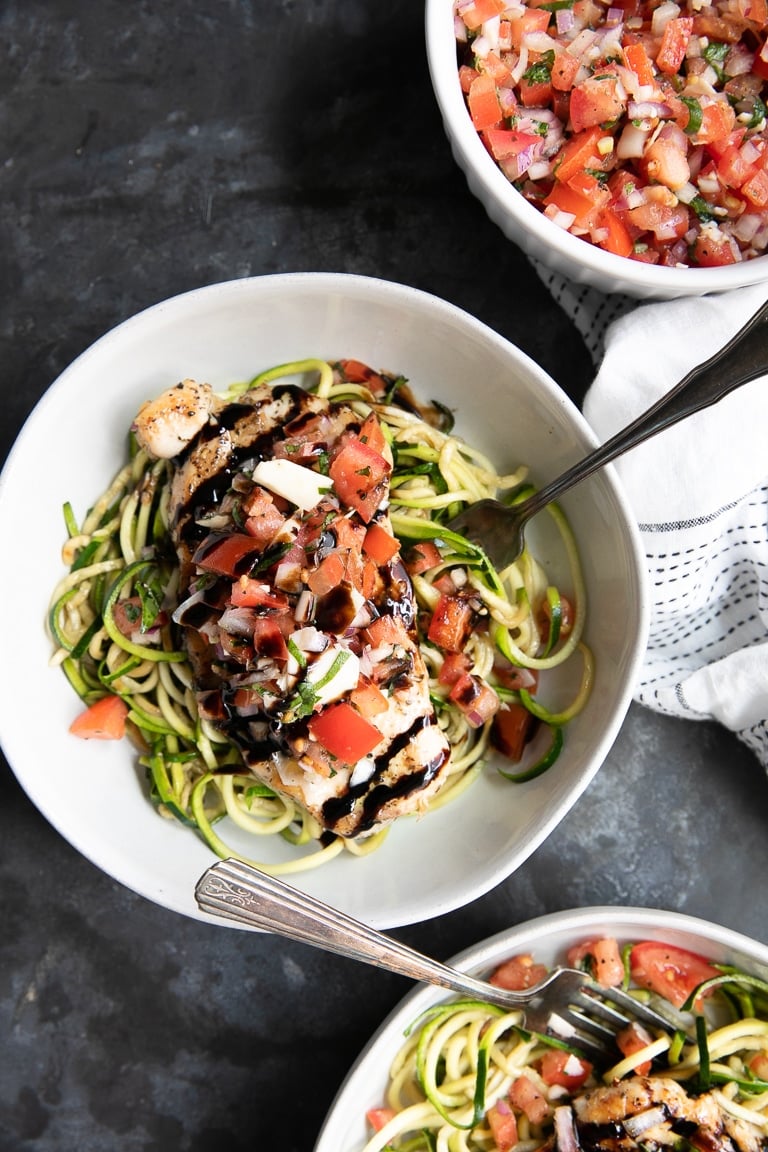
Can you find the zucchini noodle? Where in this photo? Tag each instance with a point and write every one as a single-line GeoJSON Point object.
{"type": "Point", "coordinates": [454, 1084]}
{"type": "Point", "coordinates": [110, 618]}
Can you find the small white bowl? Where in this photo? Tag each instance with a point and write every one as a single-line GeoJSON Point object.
{"type": "Point", "coordinates": [547, 938]}
{"type": "Point", "coordinates": [73, 443]}
{"type": "Point", "coordinates": [537, 236]}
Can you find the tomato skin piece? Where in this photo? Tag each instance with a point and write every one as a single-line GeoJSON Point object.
{"type": "Point", "coordinates": [671, 971]}
{"type": "Point", "coordinates": [674, 42]}
{"type": "Point", "coordinates": [526, 1097]}
{"type": "Point", "coordinates": [518, 973]}
{"type": "Point", "coordinates": [359, 473]}
{"type": "Point", "coordinates": [227, 555]}
{"type": "Point", "coordinates": [451, 623]}
{"type": "Point", "coordinates": [378, 1117]}
{"type": "Point", "coordinates": [483, 103]}
{"type": "Point", "coordinates": [250, 593]}
{"type": "Point", "coordinates": [511, 729]}
{"type": "Point", "coordinates": [503, 1124]}
{"type": "Point", "coordinates": [344, 733]}
{"type": "Point", "coordinates": [636, 58]}
{"type": "Point", "coordinates": [380, 545]}
{"type": "Point", "coordinates": [422, 557]}
{"type": "Point", "coordinates": [633, 1039]}
{"type": "Point", "coordinates": [356, 372]}
{"type": "Point", "coordinates": [103, 720]}
{"type": "Point", "coordinates": [607, 967]}
{"type": "Point", "coordinates": [562, 1068]}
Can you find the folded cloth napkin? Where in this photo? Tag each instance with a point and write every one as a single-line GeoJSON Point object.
{"type": "Point", "coordinates": [699, 492]}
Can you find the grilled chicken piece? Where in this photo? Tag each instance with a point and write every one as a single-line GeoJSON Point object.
{"type": "Point", "coordinates": [647, 1113]}
{"type": "Point", "coordinates": [297, 613]}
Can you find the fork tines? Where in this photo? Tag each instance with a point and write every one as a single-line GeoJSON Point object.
{"type": "Point", "coordinates": [597, 1014]}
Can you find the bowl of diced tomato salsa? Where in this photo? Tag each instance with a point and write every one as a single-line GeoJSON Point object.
{"type": "Point", "coordinates": [621, 143]}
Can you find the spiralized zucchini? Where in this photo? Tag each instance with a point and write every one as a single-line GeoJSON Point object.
{"type": "Point", "coordinates": [121, 565]}
{"type": "Point", "coordinates": [460, 1058]}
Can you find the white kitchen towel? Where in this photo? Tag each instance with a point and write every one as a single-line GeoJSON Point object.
{"type": "Point", "coordinates": [699, 492]}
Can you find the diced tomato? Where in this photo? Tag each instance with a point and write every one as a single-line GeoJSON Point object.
{"type": "Point", "coordinates": [103, 720]}
{"type": "Point", "coordinates": [758, 1065]}
{"type": "Point", "coordinates": [756, 189]}
{"type": "Point", "coordinates": [526, 1097]}
{"type": "Point", "coordinates": [264, 518]}
{"type": "Point", "coordinates": [466, 76]}
{"type": "Point", "coordinates": [344, 733]}
{"type": "Point", "coordinates": [564, 71]}
{"type": "Point", "coordinates": [636, 58]}
{"type": "Point", "coordinates": [378, 1117]}
{"type": "Point", "coordinates": [478, 12]}
{"type": "Point", "coordinates": [476, 699]}
{"type": "Point", "coordinates": [569, 200]}
{"type": "Point", "coordinates": [503, 1124]}
{"type": "Point", "coordinates": [674, 43]}
{"type": "Point", "coordinates": [387, 630]}
{"type": "Point", "coordinates": [127, 615]}
{"type": "Point", "coordinates": [504, 143]}
{"type": "Point", "coordinates": [616, 240]}
{"type": "Point", "coordinates": [633, 1039]}
{"type": "Point", "coordinates": [534, 93]}
{"type": "Point", "coordinates": [371, 434]}
{"type": "Point", "coordinates": [671, 971]}
{"type": "Point", "coordinates": [710, 252]}
{"type": "Point", "coordinates": [579, 153]}
{"type": "Point", "coordinates": [329, 574]}
{"type": "Point", "coordinates": [359, 475]}
{"type": "Point", "coordinates": [511, 730]}
{"type": "Point", "coordinates": [368, 699]}
{"type": "Point", "coordinates": [717, 122]}
{"type": "Point", "coordinates": [454, 666]}
{"type": "Point", "coordinates": [422, 556]}
{"type": "Point", "coordinates": [228, 555]}
{"type": "Point", "coordinates": [250, 593]}
{"type": "Point", "coordinates": [518, 973]}
{"type": "Point", "coordinates": [483, 103]}
{"type": "Point", "coordinates": [564, 1069]}
{"type": "Point", "coordinates": [607, 966]}
{"type": "Point", "coordinates": [757, 12]}
{"type": "Point", "coordinates": [268, 639]}
{"type": "Point", "coordinates": [596, 100]}
{"type": "Point", "coordinates": [529, 20]}
{"type": "Point", "coordinates": [451, 623]}
{"type": "Point", "coordinates": [494, 66]}
{"type": "Point", "coordinates": [358, 373]}
{"type": "Point", "coordinates": [379, 544]}
{"type": "Point", "coordinates": [512, 676]}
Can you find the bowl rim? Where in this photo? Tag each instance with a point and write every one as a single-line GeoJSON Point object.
{"type": "Point", "coordinates": [526, 935]}
{"type": "Point", "coordinates": [598, 265]}
{"type": "Point", "coordinates": [372, 291]}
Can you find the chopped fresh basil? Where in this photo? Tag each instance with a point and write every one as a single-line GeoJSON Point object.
{"type": "Point", "coordinates": [694, 114]}
{"type": "Point", "coordinates": [702, 209]}
{"type": "Point", "coordinates": [715, 54]}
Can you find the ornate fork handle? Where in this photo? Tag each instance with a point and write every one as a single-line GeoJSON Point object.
{"type": "Point", "coordinates": [238, 892]}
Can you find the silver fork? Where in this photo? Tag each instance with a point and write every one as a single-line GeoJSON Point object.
{"type": "Point", "coordinates": [567, 1005]}
{"type": "Point", "coordinates": [499, 528]}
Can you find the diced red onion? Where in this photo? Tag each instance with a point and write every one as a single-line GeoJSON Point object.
{"type": "Point", "coordinates": [564, 20]}
{"type": "Point", "coordinates": [746, 227]}
{"type": "Point", "coordinates": [639, 109]}
{"type": "Point", "coordinates": [631, 143]}
{"type": "Point", "coordinates": [305, 607]}
{"type": "Point", "coordinates": [642, 1121]}
{"type": "Point", "coordinates": [614, 16]}
{"type": "Point", "coordinates": [565, 1132]}
{"type": "Point", "coordinates": [662, 15]}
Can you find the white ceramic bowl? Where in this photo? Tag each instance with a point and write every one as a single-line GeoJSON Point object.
{"type": "Point", "coordinates": [73, 443]}
{"type": "Point", "coordinates": [520, 222]}
{"type": "Point", "coordinates": [548, 938]}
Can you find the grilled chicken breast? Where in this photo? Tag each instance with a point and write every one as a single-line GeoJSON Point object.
{"type": "Point", "coordinates": [297, 612]}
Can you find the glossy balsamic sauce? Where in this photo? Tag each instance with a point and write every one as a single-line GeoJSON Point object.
{"type": "Point", "coordinates": [211, 491]}
{"type": "Point", "coordinates": [375, 793]}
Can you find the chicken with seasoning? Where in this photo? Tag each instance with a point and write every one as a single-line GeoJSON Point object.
{"type": "Point", "coordinates": [297, 613]}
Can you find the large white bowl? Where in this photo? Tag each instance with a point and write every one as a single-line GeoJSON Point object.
{"type": "Point", "coordinates": [538, 237]}
{"type": "Point", "coordinates": [548, 938]}
{"type": "Point", "coordinates": [92, 792]}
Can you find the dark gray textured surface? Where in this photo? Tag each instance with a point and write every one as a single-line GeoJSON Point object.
{"type": "Point", "coordinates": [148, 149]}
